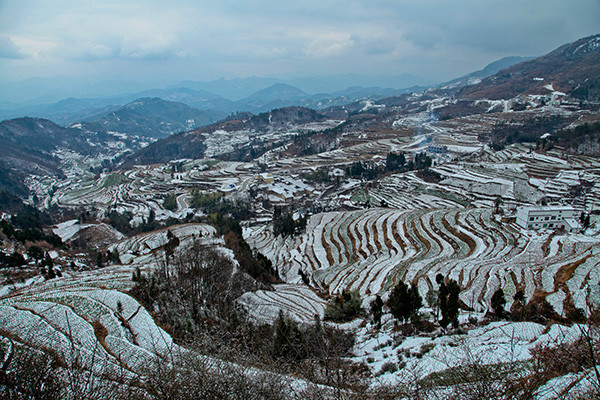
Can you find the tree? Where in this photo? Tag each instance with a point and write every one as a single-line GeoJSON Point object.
{"type": "Point", "coordinates": [113, 256]}
{"type": "Point", "coordinates": [99, 260]}
{"type": "Point", "coordinates": [518, 306]}
{"type": "Point", "coordinates": [395, 162]}
{"type": "Point", "coordinates": [170, 202]}
{"type": "Point", "coordinates": [422, 161]}
{"type": "Point", "coordinates": [448, 301]}
{"type": "Point", "coordinates": [289, 341]}
{"type": "Point", "coordinates": [35, 252]}
{"type": "Point", "coordinates": [171, 245]}
{"type": "Point", "coordinates": [47, 262]}
{"type": "Point", "coordinates": [7, 229]}
{"type": "Point", "coordinates": [284, 223]}
{"type": "Point", "coordinates": [377, 310]}
{"type": "Point", "coordinates": [433, 300]}
{"type": "Point", "coordinates": [304, 277]}
{"type": "Point", "coordinates": [497, 203]}
{"type": "Point", "coordinates": [498, 302]}
{"type": "Point", "coordinates": [404, 301]}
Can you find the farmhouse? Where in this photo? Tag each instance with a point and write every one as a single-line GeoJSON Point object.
{"type": "Point", "coordinates": [556, 217]}
{"type": "Point", "coordinates": [266, 177]}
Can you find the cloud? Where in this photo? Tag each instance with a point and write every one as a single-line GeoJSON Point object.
{"type": "Point", "coordinates": [328, 45]}
{"type": "Point", "coordinates": [9, 50]}
{"type": "Point", "coordinates": [151, 47]}
{"type": "Point", "coordinates": [375, 45]}
{"type": "Point", "coordinates": [434, 37]}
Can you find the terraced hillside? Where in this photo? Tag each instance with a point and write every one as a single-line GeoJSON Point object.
{"type": "Point", "coordinates": [87, 318]}
{"type": "Point", "coordinates": [372, 250]}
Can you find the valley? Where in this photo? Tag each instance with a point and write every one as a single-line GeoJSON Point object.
{"type": "Point", "coordinates": [293, 211]}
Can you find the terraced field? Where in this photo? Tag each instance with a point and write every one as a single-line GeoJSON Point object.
{"type": "Point", "coordinates": [87, 317]}
{"type": "Point", "coordinates": [516, 175]}
{"type": "Point", "coordinates": [142, 189]}
{"type": "Point", "coordinates": [104, 330]}
{"type": "Point", "coordinates": [372, 250]}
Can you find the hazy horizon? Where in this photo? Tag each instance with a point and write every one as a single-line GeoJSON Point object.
{"type": "Point", "coordinates": [142, 45]}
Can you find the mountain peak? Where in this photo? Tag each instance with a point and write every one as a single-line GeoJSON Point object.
{"type": "Point", "coordinates": [278, 91]}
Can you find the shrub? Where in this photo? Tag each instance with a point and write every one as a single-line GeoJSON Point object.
{"type": "Point", "coordinates": [344, 307]}
{"type": "Point", "coordinates": [389, 366]}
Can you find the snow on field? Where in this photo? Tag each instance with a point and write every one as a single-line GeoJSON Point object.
{"type": "Point", "coordinates": [577, 385]}
{"type": "Point", "coordinates": [66, 230]}
{"type": "Point", "coordinates": [556, 300]}
{"type": "Point", "coordinates": [298, 302]}
{"type": "Point", "coordinates": [370, 250]}
{"type": "Point", "coordinates": [64, 314]}
{"type": "Point", "coordinates": [424, 354]}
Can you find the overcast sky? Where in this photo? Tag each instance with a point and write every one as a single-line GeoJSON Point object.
{"type": "Point", "coordinates": [170, 41]}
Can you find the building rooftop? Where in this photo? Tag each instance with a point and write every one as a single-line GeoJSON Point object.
{"type": "Point", "coordinates": [546, 208]}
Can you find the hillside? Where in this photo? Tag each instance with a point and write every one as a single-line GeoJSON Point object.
{"type": "Point", "coordinates": [573, 69]}
{"type": "Point", "coordinates": [178, 146]}
{"type": "Point", "coordinates": [33, 150]}
{"type": "Point", "coordinates": [192, 144]}
{"type": "Point", "coordinates": [475, 77]}
{"type": "Point", "coordinates": [155, 118]}
{"type": "Point", "coordinates": [28, 145]}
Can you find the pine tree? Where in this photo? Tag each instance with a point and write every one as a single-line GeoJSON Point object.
{"type": "Point", "coordinates": [377, 310]}
{"type": "Point", "coordinates": [404, 302]}
{"type": "Point", "coordinates": [498, 302]}
{"type": "Point", "coordinates": [172, 243]}
{"type": "Point", "coordinates": [448, 301]}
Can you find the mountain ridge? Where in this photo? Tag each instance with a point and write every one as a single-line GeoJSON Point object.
{"type": "Point", "coordinates": [573, 68]}
{"type": "Point", "coordinates": [154, 117]}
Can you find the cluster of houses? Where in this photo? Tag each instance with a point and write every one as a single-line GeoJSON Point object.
{"type": "Point", "coordinates": [278, 189]}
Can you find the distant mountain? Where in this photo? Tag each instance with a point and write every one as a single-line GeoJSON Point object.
{"type": "Point", "coordinates": [234, 89]}
{"type": "Point", "coordinates": [282, 95]}
{"type": "Point", "coordinates": [275, 119]}
{"type": "Point", "coordinates": [356, 92]}
{"type": "Point", "coordinates": [199, 99]}
{"type": "Point", "coordinates": [63, 112]}
{"type": "Point", "coordinates": [191, 144]}
{"type": "Point", "coordinates": [278, 91]}
{"type": "Point", "coordinates": [276, 96]}
{"type": "Point", "coordinates": [336, 83]}
{"type": "Point", "coordinates": [49, 90]}
{"type": "Point", "coordinates": [252, 94]}
{"type": "Point", "coordinates": [573, 69]}
{"type": "Point", "coordinates": [475, 77]}
{"type": "Point", "coordinates": [68, 111]}
{"type": "Point", "coordinates": [155, 117]}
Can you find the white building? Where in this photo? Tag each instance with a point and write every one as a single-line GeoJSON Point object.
{"type": "Point", "coordinates": [552, 217]}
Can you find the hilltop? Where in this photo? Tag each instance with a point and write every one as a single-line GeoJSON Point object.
{"type": "Point", "coordinates": [154, 118]}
